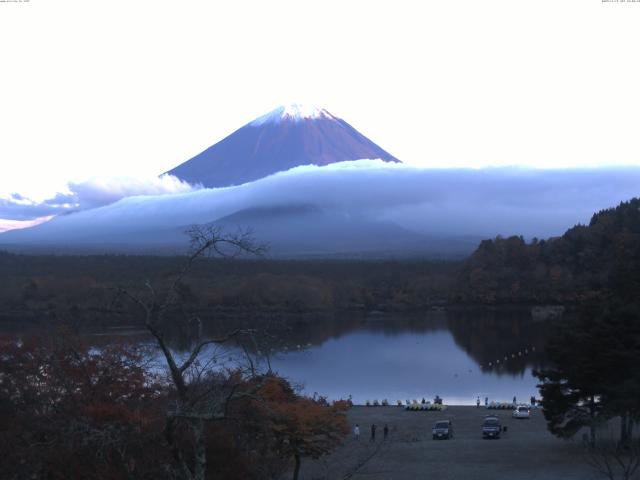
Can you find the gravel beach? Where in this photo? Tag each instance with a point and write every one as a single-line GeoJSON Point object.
{"type": "Point", "coordinates": [526, 451]}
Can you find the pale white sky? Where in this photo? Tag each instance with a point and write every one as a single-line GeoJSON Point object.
{"type": "Point", "coordinates": [93, 88]}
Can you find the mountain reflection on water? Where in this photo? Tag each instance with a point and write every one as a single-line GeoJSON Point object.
{"type": "Point", "coordinates": [458, 354]}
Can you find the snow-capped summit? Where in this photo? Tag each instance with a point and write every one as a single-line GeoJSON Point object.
{"type": "Point", "coordinates": [287, 137]}
{"type": "Point", "coordinates": [294, 111]}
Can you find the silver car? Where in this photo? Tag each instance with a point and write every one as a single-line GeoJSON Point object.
{"type": "Point", "coordinates": [522, 411]}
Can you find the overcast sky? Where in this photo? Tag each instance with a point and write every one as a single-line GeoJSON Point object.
{"type": "Point", "coordinates": [103, 88]}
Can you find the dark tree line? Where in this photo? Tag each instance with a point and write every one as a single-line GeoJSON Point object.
{"type": "Point", "coordinates": [42, 289]}
{"type": "Point", "coordinates": [587, 263]}
{"type": "Point", "coordinates": [593, 374]}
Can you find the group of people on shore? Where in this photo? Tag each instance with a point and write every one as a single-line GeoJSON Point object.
{"type": "Point", "coordinates": [532, 401]}
{"type": "Point", "coordinates": [374, 427]}
{"type": "Point", "coordinates": [385, 430]}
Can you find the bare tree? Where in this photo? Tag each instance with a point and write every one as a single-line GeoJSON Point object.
{"type": "Point", "coordinates": [614, 460]}
{"type": "Point", "coordinates": [201, 394]}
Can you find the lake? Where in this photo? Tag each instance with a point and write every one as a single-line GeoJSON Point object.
{"type": "Point", "coordinates": [456, 356]}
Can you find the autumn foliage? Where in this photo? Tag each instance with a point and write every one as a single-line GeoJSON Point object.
{"type": "Point", "coordinates": [296, 427]}
{"type": "Point", "coordinates": [69, 411]}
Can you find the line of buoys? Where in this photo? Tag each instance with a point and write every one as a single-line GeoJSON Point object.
{"type": "Point", "coordinates": [513, 356]}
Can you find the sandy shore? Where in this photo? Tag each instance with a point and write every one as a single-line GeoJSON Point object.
{"type": "Point", "coordinates": [526, 451]}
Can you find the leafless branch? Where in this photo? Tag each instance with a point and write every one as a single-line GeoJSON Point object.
{"type": "Point", "coordinates": [199, 397]}
{"type": "Point", "coordinates": [613, 460]}
{"type": "Point", "coordinates": [198, 348]}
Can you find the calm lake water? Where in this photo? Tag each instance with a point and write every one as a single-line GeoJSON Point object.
{"type": "Point", "coordinates": [458, 355]}
{"type": "Point", "coordinates": [371, 365]}
{"type": "Point", "coordinates": [455, 356]}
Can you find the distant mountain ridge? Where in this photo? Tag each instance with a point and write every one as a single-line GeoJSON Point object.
{"type": "Point", "coordinates": [290, 231]}
{"type": "Point", "coordinates": [287, 137]}
{"type": "Point", "coordinates": [330, 234]}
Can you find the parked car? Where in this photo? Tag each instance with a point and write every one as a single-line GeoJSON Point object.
{"type": "Point", "coordinates": [522, 411]}
{"type": "Point", "coordinates": [491, 427]}
{"type": "Point", "coordinates": [442, 429]}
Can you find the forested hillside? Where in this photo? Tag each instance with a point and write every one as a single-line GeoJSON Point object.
{"type": "Point", "coordinates": [588, 261]}
{"type": "Point", "coordinates": [80, 288]}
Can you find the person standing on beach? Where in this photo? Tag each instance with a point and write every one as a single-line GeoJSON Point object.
{"type": "Point", "coordinates": [385, 431]}
{"type": "Point", "coordinates": [478, 402]}
{"type": "Point", "coordinates": [356, 431]}
{"type": "Point", "coordinates": [373, 432]}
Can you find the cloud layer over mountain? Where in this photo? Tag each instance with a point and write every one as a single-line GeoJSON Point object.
{"type": "Point", "coordinates": [88, 194]}
{"type": "Point", "coordinates": [483, 202]}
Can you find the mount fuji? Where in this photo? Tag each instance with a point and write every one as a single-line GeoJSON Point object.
{"type": "Point", "coordinates": [310, 185]}
{"type": "Point", "coordinates": [287, 137]}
